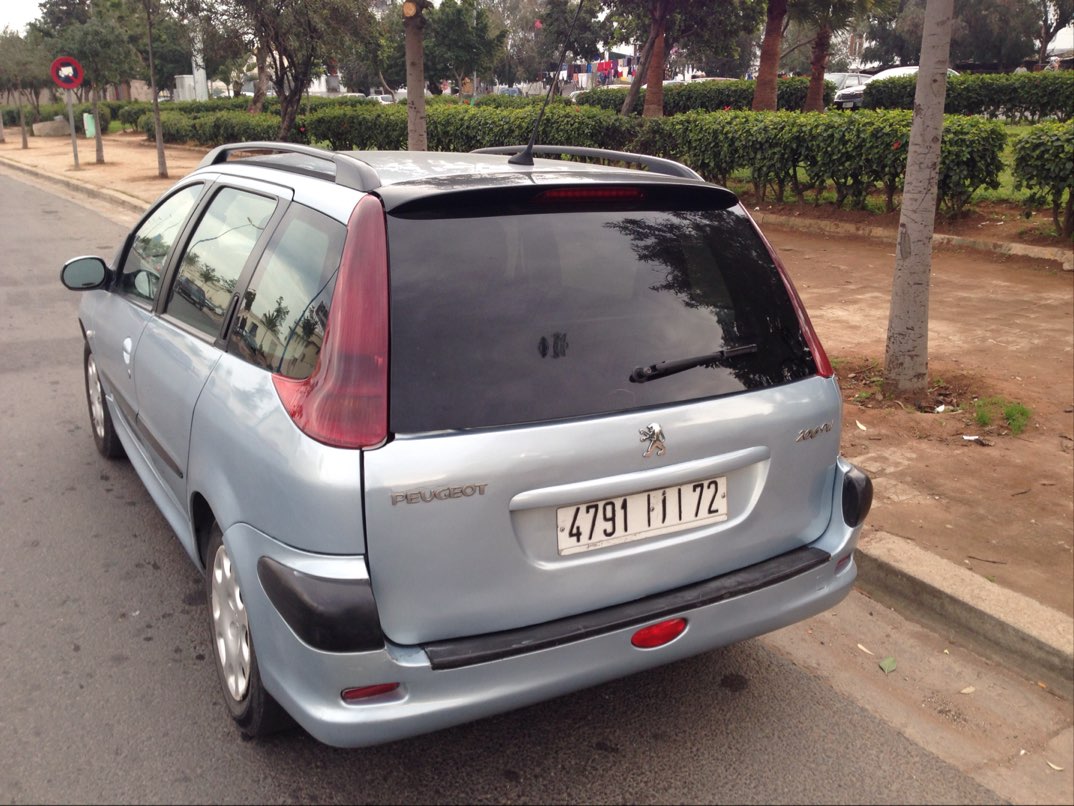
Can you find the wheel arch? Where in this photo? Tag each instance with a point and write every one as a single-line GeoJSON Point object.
{"type": "Point", "coordinates": [202, 519]}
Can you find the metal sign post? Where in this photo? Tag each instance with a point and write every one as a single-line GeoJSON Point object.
{"type": "Point", "coordinates": [71, 121]}
{"type": "Point", "coordinates": [67, 73]}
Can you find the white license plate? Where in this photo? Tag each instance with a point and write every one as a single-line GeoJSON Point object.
{"type": "Point", "coordinates": [598, 524]}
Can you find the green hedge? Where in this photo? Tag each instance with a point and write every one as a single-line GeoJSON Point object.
{"type": "Point", "coordinates": [708, 96]}
{"type": "Point", "coordinates": [459, 127]}
{"type": "Point", "coordinates": [1044, 163]}
{"type": "Point", "coordinates": [213, 128]}
{"type": "Point", "coordinates": [1014, 96]}
{"type": "Point", "coordinates": [855, 152]}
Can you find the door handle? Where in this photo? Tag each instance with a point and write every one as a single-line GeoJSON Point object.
{"type": "Point", "coordinates": [127, 344]}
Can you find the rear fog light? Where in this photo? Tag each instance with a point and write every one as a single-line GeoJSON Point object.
{"type": "Point", "coordinates": [365, 692]}
{"type": "Point", "coordinates": [658, 634]}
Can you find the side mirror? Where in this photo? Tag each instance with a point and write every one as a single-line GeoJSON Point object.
{"type": "Point", "coordinates": [84, 273]}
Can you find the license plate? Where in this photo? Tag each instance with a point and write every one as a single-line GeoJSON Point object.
{"type": "Point", "coordinates": [612, 521]}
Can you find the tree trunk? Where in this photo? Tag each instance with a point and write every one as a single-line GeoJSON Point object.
{"type": "Point", "coordinates": [654, 72]}
{"type": "Point", "coordinates": [906, 356]}
{"type": "Point", "coordinates": [416, 137]}
{"type": "Point", "coordinates": [257, 103]}
{"type": "Point", "coordinates": [639, 74]}
{"type": "Point", "coordinates": [162, 163]}
{"type": "Point", "coordinates": [97, 141]}
{"type": "Point", "coordinates": [817, 64]}
{"type": "Point", "coordinates": [764, 91]}
{"type": "Point", "coordinates": [22, 127]}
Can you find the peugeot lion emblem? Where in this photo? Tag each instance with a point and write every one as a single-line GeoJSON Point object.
{"type": "Point", "coordinates": [654, 435]}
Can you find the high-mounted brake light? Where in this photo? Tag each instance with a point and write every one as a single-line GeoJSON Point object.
{"type": "Point", "coordinates": [344, 402]}
{"type": "Point", "coordinates": [590, 194]}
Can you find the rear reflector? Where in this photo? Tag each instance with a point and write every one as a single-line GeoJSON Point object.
{"type": "Point", "coordinates": [365, 692]}
{"type": "Point", "coordinates": [658, 634]}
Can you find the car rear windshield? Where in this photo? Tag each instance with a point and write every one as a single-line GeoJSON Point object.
{"type": "Point", "coordinates": [521, 310]}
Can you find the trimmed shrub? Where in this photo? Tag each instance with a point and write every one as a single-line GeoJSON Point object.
{"type": "Point", "coordinates": [707, 96]}
{"type": "Point", "coordinates": [1044, 164]}
{"type": "Point", "coordinates": [1013, 96]}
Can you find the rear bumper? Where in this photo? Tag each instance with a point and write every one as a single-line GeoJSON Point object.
{"type": "Point", "coordinates": [453, 682]}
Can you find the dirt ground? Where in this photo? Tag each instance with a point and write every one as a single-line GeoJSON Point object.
{"type": "Point", "coordinates": [1001, 505]}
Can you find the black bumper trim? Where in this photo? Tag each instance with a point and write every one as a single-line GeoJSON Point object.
{"type": "Point", "coordinates": [333, 615]}
{"type": "Point", "coordinates": [460, 652]}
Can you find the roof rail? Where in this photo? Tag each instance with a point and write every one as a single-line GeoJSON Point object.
{"type": "Point", "coordinates": [349, 171]}
{"type": "Point", "coordinates": [657, 165]}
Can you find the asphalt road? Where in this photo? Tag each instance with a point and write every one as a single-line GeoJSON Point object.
{"type": "Point", "coordinates": [108, 692]}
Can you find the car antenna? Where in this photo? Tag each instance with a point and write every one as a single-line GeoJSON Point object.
{"type": "Point", "coordinates": [525, 157]}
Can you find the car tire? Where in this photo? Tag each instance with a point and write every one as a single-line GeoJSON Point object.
{"type": "Point", "coordinates": [252, 708]}
{"type": "Point", "coordinates": [104, 433]}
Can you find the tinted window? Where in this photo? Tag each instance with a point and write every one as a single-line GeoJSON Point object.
{"type": "Point", "coordinates": [215, 256]}
{"type": "Point", "coordinates": [284, 312]}
{"type": "Point", "coordinates": [515, 318]}
{"type": "Point", "coordinates": [144, 263]}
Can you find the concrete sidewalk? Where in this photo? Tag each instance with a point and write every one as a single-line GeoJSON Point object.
{"type": "Point", "coordinates": [1006, 626]}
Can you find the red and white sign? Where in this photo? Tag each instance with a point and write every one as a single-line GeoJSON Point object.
{"type": "Point", "coordinates": [67, 73]}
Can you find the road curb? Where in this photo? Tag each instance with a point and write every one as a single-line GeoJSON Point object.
{"type": "Point", "coordinates": [967, 609]}
{"type": "Point", "coordinates": [129, 203]}
{"type": "Point", "coordinates": [1064, 257]}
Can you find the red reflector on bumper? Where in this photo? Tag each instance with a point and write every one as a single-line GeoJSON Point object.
{"type": "Point", "coordinates": [658, 634]}
{"type": "Point", "coordinates": [365, 692]}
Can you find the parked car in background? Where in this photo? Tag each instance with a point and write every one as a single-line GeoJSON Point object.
{"type": "Point", "coordinates": [583, 426]}
{"type": "Point", "coordinates": [847, 80]}
{"type": "Point", "coordinates": [851, 96]}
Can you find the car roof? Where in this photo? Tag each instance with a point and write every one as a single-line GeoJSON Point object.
{"type": "Point", "coordinates": [401, 176]}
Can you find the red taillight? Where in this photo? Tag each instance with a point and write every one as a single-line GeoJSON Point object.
{"type": "Point", "coordinates": [658, 634]}
{"type": "Point", "coordinates": [820, 358]}
{"type": "Point", "coordinates": [344, 403]}
{"type": "Point", "coordinates": [590, 194]}
{"type": "Point", "coordinates": [365, 692]}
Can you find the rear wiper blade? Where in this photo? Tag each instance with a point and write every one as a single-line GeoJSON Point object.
{"type": "Point", "coordinates": [665, 368]}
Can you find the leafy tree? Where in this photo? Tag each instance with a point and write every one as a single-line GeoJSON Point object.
{"type": "Point", "coordinates": [294, 39]}
{"type": "Point", "coordinates": [24, 71]}
{"type": "Point", "coordinates": [826, 18]}
{"type": "Point", "coordinates": [521, 21]}
{"type": "Point", "coordinates": [461, 42]}
{"type": "Point", "coordinates": [983, 31]}
{"type": "Point", "coordinates": [589, 33]}
{"type": "Point", "coordinates": [689, 33]}
{"type": "Point", "coordinates": [106, 56]}
{"type": "Point", "coordinates": [997, 31]}
{"type": "Point", "coordinates": [376, 55]}
{"type": "Point", "coordinates": [1054, 15]}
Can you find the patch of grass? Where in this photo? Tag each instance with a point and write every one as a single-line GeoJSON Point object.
{"type": "Point", "coordinates": [987, 409]}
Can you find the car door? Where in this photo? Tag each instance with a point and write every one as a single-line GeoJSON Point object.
{"type": "Point", "coordinates": [118, 323]}
{"type": "Point", "coordinates": [180, 347]}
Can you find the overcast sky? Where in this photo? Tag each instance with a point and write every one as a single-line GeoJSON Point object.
{"type": "Point", "coordinates": [16, 14]}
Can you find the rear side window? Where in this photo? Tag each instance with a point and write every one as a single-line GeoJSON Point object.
{"type": "Point", "coordinates": [284, 311]}
{"type": "Point", "coordinates": [521, 316]}
{"type": "Point", "coordinates": [215, 256]}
